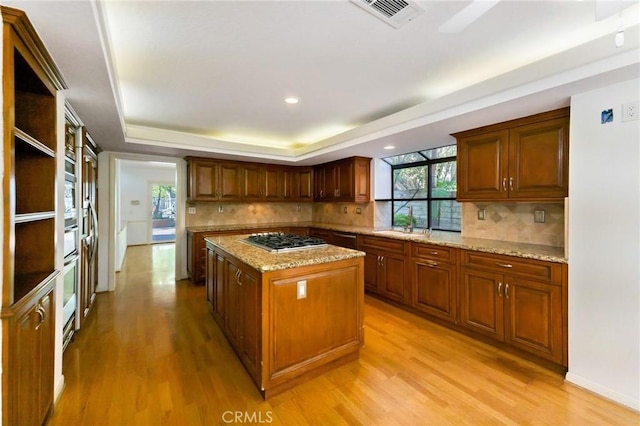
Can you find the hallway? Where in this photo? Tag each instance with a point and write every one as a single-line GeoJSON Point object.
{"type": "Point", "coordinates": [151, 354]}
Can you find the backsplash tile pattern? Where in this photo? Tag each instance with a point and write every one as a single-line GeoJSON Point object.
{"type": "Point", "coordinates": [335, 213]}
{"type": "Point", "coordinates": [248, 213]}
{"type": "Point", "coordinates": [514, 222]}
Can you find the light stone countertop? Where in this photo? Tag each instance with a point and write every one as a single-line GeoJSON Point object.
{"type": "Point", "coordinates": [265, 261]}
{"type": "Point", "coordinates": [443, 238]}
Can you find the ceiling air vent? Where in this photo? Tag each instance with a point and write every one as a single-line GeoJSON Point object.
{"type": "Point", "coordinates": [394, 12]}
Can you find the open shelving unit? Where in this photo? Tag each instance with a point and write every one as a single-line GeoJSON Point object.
{"type": "Point", "coordinates": [30, 81]}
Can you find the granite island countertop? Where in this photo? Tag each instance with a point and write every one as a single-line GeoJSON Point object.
{"type": "Point", "coordinates": [443, 238]}
{"type": "Point", "coordinates": [264, 261]}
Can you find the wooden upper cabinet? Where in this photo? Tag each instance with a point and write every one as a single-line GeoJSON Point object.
{"type": "Point", "coordinates": [211, 180]}
{"type": "Point", "coordinates": [345, 180]}
{"type": "Point", "coordinates": [297, 183]}
{"type": "Point", "coordinates": [538, 160]}
{"type": "Point", "coordinates": [524, 159]}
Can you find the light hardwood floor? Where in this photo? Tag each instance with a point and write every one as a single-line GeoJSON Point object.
{"type": "Point", "coordinates": [151, 354]}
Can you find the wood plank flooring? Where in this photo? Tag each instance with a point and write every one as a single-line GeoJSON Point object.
{"type": "Point", "coordinates": [151, 354]}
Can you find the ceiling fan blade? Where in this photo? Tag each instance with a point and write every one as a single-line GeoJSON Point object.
{"type": "Point", "coordinates": [467, 16]}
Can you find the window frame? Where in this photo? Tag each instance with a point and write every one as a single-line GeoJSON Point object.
{"type": "Point", "coordinates": [429, 198]}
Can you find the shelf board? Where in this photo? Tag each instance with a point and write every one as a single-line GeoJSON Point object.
{"type": "Point", "coordinates": [25, 137]}
{"type": "Point", "coordinates": [32, 217]}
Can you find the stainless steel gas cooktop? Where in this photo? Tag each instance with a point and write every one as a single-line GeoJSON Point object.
{"type": "Point", "coordinates": [280, 242]}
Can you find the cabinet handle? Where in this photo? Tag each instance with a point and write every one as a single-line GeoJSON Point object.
{"type": "Point", "coordinates": [506, 291]}
{"type": "Point", "coordinates": [41, 312]}
{"type": "Point", "coordinates": [510, 184]}
{"type": "Point", "coordinates": [337, 192]}
{"type": "Point", "coordinates": [321, 193]}
{"type": "Point", "coordinates": [500, 289]}
{"type": "Point", "coordinates": [504, 265]}
{"type": "Point", "coordinates": [431, 264]}
{"type": "Point", "coordinates": [504, 184]}
{"type": "Point", "coordinates": [378, 260]}
{"type": "Point", "coordinates": [435, 253]}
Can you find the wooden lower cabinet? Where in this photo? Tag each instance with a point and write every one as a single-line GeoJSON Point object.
{"type": "Point", "coordinates": [280, 337]}
{"type": "Point", "coordinates": [434, 275]}
{"type": "Point", "coordinates": [524, 313]}
{"type": "Point", "coordinates": [434, 289]}
{"type": "Point", "coordinates": [30, 333]}
{"type": "Point", "coordinates": [385, 266]}
{"type": "Point", "coordinates": [481, 303]}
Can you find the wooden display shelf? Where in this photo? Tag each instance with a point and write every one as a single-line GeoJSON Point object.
{"type": "Point", "coordinates": [33, 142]}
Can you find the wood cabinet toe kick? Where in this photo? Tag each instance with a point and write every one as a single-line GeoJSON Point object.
{"type": "Point", "coordinates": [287, 325]}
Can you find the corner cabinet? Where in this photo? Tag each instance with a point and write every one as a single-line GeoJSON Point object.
{"type": "Point", "coordinates": [343, 181]}
{"type": "Point", "coordinates": [524, 159]}
{"type": "Point", "coordinates": [385, 266]}
{"type": "Point", "coordinates": [30, 83]}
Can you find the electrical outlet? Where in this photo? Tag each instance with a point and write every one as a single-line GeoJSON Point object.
{"type": "Point", "coordinates": [481, 214]}
{"type": "Point", "coordinates": [538, 216]}
{"type": "Point", "coordinates": [630, 111]}
{"type": "Point", "coordinates": [220, 209]}
{"type": "Point", "coordinates": [191, 210]}
{"type": "Point", "coordinates": [302, 289]}
{"type": "Point", "coordinates": [345, 210]}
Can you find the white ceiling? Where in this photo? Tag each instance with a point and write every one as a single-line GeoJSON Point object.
{"type": "Point", "coordinates": [210, 77]}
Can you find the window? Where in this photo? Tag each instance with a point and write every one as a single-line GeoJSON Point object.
{"type": "Point", "coordinates": [426, 182]}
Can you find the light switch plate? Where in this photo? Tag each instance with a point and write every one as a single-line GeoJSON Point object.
{"type": "Point", "coordinates": [191, 210]}
{"type": "Point", "coordinates": [538, 216]}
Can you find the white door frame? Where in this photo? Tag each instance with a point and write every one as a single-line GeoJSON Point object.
{"type": "Point", "coordinates": [108, 212]}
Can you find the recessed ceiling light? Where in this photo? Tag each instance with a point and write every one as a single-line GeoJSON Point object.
{"type": "Point", "coordinates": [291, 100]}
{"type": "Point", "coordinates": [389, 147]}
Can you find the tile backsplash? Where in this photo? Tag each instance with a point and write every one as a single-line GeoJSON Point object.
{"type": "Point", "coordinates": [209, 214]}
{"type": "Point", "coordinates": [515, 222]}
{"type": "Point", "coordinates": [344, 213]}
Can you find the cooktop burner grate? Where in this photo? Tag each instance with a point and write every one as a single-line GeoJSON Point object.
{"type": "Point", "coordinates": [281, 242]}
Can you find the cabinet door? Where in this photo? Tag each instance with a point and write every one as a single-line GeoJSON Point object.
{"type": "Point", "coordinates": [331, 177]}
{"type": "Point", "coordinates": [250, 314]}
{"type": "Point", "coordinates": [319, 182]}
{"type": "Point", "coordinates": [362, 180]}
{"type": "Point", "coordinates": [230, 182]}
{"type": "Point", "coordinates": [481, 302]}
{"type": "Point", "coordinates": [251, 183]}
{"type": "Point", "coordinates": [273, 186]}
{"type": "Point", "coordinates": [219, 289]}
{"type": "Point", "coordinates": [231, 293]}
{"type": "Point", "coordinates": [534, 317]}
{"type": "Point", "coordinates": [210, 278]}
{"type": "Point", "coordinates": [345, 180]}
{"type": "Point", "coordinates": [483, 166]}
{"type": "Point", "coordinates": [33, 349]}
{"type": "Point", "coordinates": [391, 278]}
{"type": "Point", "coordinates": [371, 265]}
{"type": "Point", "coordinates": [203, 180]}
{"type": "Point", "coordinates": [305, 185]}
{"type": "Point", "coordinates": [434, 289]}
{"type": "Point", "coordinates": [539, 159]}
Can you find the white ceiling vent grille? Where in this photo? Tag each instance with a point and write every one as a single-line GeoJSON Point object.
{"type": "Point", "coordinates": [394, 12]}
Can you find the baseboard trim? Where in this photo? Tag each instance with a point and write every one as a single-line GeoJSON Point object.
{"type": "Point", "coordinates": [603, 391]}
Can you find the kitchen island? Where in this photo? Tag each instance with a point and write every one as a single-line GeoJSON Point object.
{"type": "Point", "coordinates": [290, 315]}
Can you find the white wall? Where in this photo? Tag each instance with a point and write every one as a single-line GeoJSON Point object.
{"type": "Point", "coordinates": [604, 246]}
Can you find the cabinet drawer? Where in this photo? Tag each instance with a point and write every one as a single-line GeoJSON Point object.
{"type": "Point", "coordinates": [386, 245]}
{"type": "Point", "coordinates": [434, 252]}
{"type": "Point", "coordinates": [516, 266]}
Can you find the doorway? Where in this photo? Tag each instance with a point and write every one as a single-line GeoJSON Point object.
{"type": "Point", "coordinates": [163, 213]}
